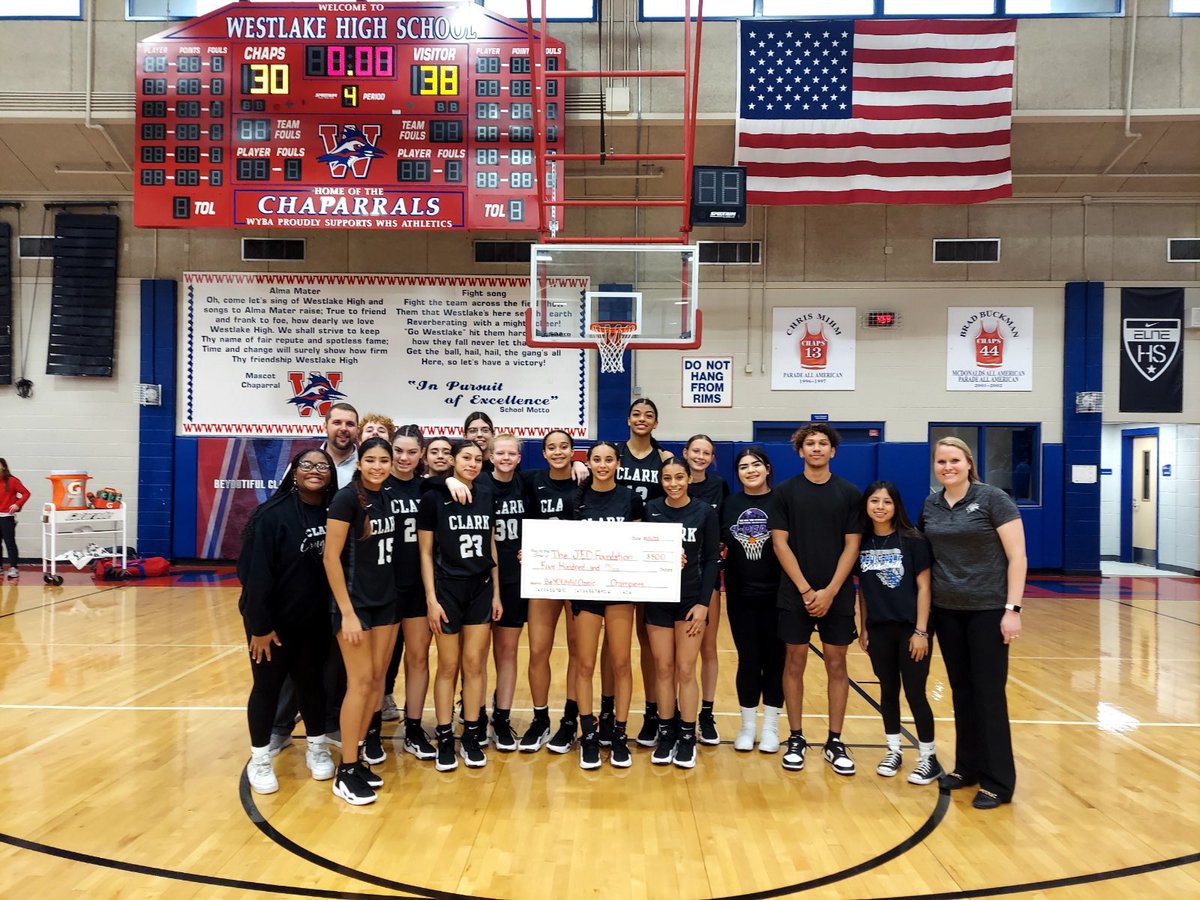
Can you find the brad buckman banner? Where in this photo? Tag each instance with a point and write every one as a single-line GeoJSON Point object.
{"type": "Point", "coordinates": [989, 349]}
{"type": "Point", "coordinates": [1152, 350]}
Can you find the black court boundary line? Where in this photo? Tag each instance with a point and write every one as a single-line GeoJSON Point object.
{"type": "Point", "coordinates": [1152, 612]}
{"type": "Point", "coordinates": [917, 837]}
{"type": "Point", "coordinates": [1069, 881]}
{"type": "Point", "coordinates": [176, 875]}
{"type": "Point", "coordinates": [926, 829]}
{"type": "Point", "coordinates": [935, 819]}
{"type": "Point", "coordinates": [286, 843]}
{"type": "Point", "coordinates": [104, 590]}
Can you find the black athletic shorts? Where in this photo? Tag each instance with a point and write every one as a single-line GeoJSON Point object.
{"type": "Point", "coordinates": [796, 627]}
{"type": "Point", "coordinates": [594, 607]}
{"type": "Point", "coordinates": [412, 602]}
{"type": "Point", "coordinates": [466, 601]}
{"type": "Point", "coordinates": [368, 616]}
{"type": "Point", "coordinates": [665, 615]}
{"type": "Point", "coordinates": [516, 609]}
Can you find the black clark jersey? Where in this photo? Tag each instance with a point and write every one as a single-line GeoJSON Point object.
{"type": "Point", "coordinates": [640, 474]}
{"type": "Point", "coordinates": [405, 496]}
{"type": "Point", "coordinates": [621, 504]}
{"type": "Point", "coordinates": [462, 531]}
{"type": "Point", "coordinates": [712, 490]}
{"type": "Point", "coordinates": [555, 497]}
{"type": "Point", "coordinates": [367, 562]}
{"type": "Point", "coordinates": [701, 545]}
{"type": "Point", "coordinates": [511, 502]}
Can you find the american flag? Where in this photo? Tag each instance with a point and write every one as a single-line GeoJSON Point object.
{"type": "Point", "coordinates": [875, 111]}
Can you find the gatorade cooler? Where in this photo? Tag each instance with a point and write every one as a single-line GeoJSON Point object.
{"type": "Point", "coordinates": [70, 489]}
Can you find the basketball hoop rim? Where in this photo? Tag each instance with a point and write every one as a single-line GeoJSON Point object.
{"type": "Point", "coordinates": [532, 339]}
{"type": "Point", "coordinates": [608, 329]}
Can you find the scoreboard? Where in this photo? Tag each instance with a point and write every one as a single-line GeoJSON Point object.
{"type": "Point", "coordinates": [346, 115]}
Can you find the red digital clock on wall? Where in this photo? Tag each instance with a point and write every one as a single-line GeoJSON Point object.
{"type": "Point", "coordinates": [346, 115]}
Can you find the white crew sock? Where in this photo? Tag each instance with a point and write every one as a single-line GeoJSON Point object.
{"type": "Point", "coordinates": [927, 748]}
{"type": "Point", "coordinates": [893, 742]}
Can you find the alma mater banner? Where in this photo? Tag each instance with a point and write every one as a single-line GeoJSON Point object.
{"type": "Point", "coordinates": [268, 354]}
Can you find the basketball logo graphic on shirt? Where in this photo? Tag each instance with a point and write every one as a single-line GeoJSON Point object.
{"type": "Point", "coordinates": [887, 563]}
{"type": "Point", "coordinates": [989, 347]}
{"type": "Point", "coordinates": [814, 348]}
{"type": "Point", "coordinates": [750, 530]}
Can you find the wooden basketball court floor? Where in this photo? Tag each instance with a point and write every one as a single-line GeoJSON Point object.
{"type": "Point", "coordinates": [123, 742]}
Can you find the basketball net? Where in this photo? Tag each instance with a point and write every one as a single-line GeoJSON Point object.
{"type": "Point", "coordinates": [751, 544]}
{"type": "Point", "coordinates": [612, 339]}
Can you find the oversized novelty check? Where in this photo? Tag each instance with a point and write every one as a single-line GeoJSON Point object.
{"type": "Point", "coordinates": [599, 561]}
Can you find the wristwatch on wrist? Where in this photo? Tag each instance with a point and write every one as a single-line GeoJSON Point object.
{"type": "Point", "coordinates": [1015, 607]}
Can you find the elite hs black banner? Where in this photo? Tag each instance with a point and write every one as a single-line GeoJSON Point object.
{"type": "Point", "coordinates": [1152, 350]}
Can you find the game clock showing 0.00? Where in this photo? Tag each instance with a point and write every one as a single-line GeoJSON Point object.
{"type": "Point", "coordinates": [278, 121]}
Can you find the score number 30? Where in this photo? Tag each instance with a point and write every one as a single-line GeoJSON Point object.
{"type": "Point", "coordinates": [264, 78]}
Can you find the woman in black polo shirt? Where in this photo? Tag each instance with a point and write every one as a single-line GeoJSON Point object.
{"type": "Point", "coordinates": [979, 564]}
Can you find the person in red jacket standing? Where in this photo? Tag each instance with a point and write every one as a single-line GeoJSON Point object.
{"type": "Point", "coordinates": [13, 495]}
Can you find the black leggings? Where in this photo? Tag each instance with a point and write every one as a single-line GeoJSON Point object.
{"type": "Point", "coordinates": [300, 655]}
{"type": "Point", "coordinates": [8, 534]}
{"type": "Point", "coordinates": [753, 619]}
{"type": "Point", "coordinates": [887, 645]}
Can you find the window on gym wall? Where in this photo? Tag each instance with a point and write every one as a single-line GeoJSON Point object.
{"type": "Point", "coordinates": [1185, 7]}
{"type": "Point", "coordinates": [939, 7]}
{"type": "Point", "coordinates": [849, 432]}
{"type": "Point", "coordinates": [713, 9]}
{"type": "Point", "coordinates": [560, 10]}
{"type": "Point", "coordinates": [41, 9]}
{"type": "Point", "coordinates": [1007, 456]}
{"type": "Point", "coordinates": [866, 9]}
{"type": "Point", "coordinates": [1064, 7]}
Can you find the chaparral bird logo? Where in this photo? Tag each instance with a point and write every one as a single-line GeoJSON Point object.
{"type": "Point", "coordinates": [317, 394]}
{"type": "Point", "coordinates": [349, 148]}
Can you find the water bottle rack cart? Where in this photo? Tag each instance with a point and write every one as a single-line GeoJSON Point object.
{"type": "Point", "coordinates": [103, 527]}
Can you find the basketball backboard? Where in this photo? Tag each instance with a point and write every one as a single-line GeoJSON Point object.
{"type": "Point", "coordinates": [653, 287]}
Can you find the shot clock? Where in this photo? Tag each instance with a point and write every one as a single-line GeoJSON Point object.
{"type": "Point", "coordinates": [328, 115]}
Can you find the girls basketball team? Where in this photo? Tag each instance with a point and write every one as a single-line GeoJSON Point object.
{"type": "Point", "coordinates": [437, 558]}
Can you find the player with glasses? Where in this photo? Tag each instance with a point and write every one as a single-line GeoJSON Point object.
{"type": "Point", "coordinates": [478, 429]}
{"type": "Point", "coordinates": [284, 608]}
